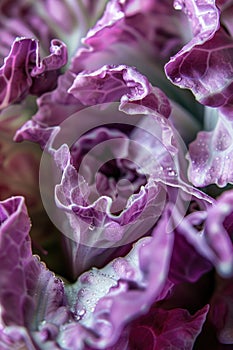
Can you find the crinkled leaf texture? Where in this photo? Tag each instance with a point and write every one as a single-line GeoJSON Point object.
{"type": "Point", "coordinates": [205, 230]}
{"type": "Point", "coordinates": [210, 155]}
{"type": "Point", "coordinates": [67, 20]}
{"type": "Point", "coordinates": [94, 226]}
{"type": "Point", "coordinates": [36, 310]}
{"type": "Point", "coordinates": [136, 95]}
{"type": "Point", "coordinates": [29, 293]}
{"type": "Point", "coordinates": [108, 84]}
{"type": "Point", "coordinates": [105, 300]}
{"type": "Point", "coordinates": [24, 72]}
{"type": "Point", "coordinates": [204, 64]}
{"type": "Point", "coordinates": [136, 30]}
{"type": "Point", "coordinates": [119, 83]}
{"type": "Point", "coordinates": [158, 154]}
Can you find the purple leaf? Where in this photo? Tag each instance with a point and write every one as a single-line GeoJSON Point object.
{"type": "Point", "coordinates": [114, 83]}
{"type": "Point", "coordinates": [23, 72]}
{"type": "Point", "coordinates": [221, 311]}
{"type": "Point", "coordinates": [29, 293]}
{"type": "Point", "coordinates": [218, 238]}
{"type": "Point", "coordinates": [210, 156]}
{"type": "Point", "coordinates": [204, 64]}
{"type": "Point", "coordinates": [46, 71]}
{"type": "Point", "coordinates": [126, 28]}
{"type": "Point", "coordinates": [163, 329]}
{"type": "Point", "coordinates": [186, 264]}
{"type": "Point", "coordinates": [15, 78]}
{"type": "Point", "coordinates": [204, 229]}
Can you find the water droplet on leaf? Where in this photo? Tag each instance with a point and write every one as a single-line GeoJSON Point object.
{"type": "Point", "coordinates": [177, 79]}
{"type": "Point", "coordinates": [178, 5]}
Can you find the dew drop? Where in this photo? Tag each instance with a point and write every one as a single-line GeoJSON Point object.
{"type": "Point", "coordinates": [43, 323]}
{"type": "Point", "coordinates": [177, 79]}
{"type": "Point", "coordinates": [189, 14]}
{"type": "Point", "coordinates": [172, 173]}
{"type": "Point", "coordinates": [178, 5]}
{"type": "Point", "coordinates": [79, 312]}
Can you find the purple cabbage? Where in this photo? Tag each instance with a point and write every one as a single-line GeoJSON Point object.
{"type": "Point", "coordinates": [139, 256]}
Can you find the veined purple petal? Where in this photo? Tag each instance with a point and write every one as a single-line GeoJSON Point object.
{"type": "Point", "coordinates": [46, 71]}
{"type": "Point", "coordinates": [15, 83]}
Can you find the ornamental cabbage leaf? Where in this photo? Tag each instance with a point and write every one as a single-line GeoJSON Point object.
{"type": "Point", "coordinates": [204, 64]}
{"type": "Point", "coordinates": [152, 25]}
{"type": "Point", "coordinates": [161, 329]}
{"type": "Point", "coordinates": [29, 292]}
{"type": "Point", "coordinates": [210, 155]}
{"type": "Point", "coordinates": [23, 72]}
